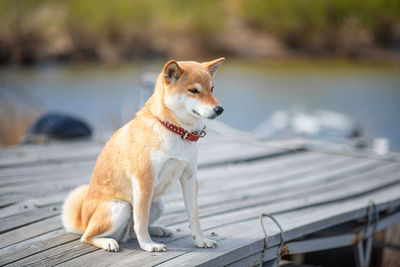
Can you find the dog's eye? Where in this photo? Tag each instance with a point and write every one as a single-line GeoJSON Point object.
{"type": "Point", "coordinates": [194, 91]}
{"type": "Point", "coordinates": [212, 89]}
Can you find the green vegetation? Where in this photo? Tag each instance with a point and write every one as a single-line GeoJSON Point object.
{"type": "Point", "coordinates": [303, 19]}
{"type": "Point", "coordinates": [36, 30]}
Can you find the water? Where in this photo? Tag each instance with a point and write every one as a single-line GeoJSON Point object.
{"type": "Point", "coordinates": [108, 96]}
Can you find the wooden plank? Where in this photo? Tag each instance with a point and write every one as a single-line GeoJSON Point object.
{"type": "Point", "coordinates": [7, 200]}
{"type": "Point", "coordinates": [59, 170]}
{"type": "Point", "coordinates": [298, 203]}
{"type": "Point", "coordinates": [51, 184]}
{"type": "Point", "coordinates": [228, 249]}
{"type": "Point", "coordinates": [25, 204]}
{"type": "Point", "coordinates": [60, 195]}
{"type": "Point", "coordinates": [314, 217]}
{"type": "Point", "coordinates": [56, 255]}
{"type": "Point", "coordinates": [20, 251]}
{"type": "Point", "coordinates": [269, 186]}
{"type": "Point", "coordinates": [52, 157]}
{"type": "Point", "coordinates": [25, 218]}
{"type": "Point", "coordinates": [30, 231]}
{"type": "Point", "coordinates": [56, 178]}
{"type": "Point", "coordinates": [62, 187]}
{"type": "Point", "coordinates": [233, 153]}
{"type": "Point", "coordinates": [209, 155]}
{"type": "Point", "coordinates": [38, 170]}
{"type": "Point", "coordinates": [274, 194]}
{"type": "Point", "coordinates": [184, 246]}
{"type": "Point", "coordinates": [55, 174]}
{"type": "Point", "coordinates": [252, 260]}
{"type": "Point", "coordinates": [260, 166]}
{"type": "Point", "coordinates": [228, 184]}
{"type": "Point", "coordinates": [102, 258]}
{"type": "Point", "coordinates": [309, 218]}
{"type": "Point", "coordinates": [29, 154]}
{"type": "Point", "coordinates": [268, 198]}
{"type": "Point", "coordinates": [49, 187]}
{"type": "Point", "coordinates": [375, 184]}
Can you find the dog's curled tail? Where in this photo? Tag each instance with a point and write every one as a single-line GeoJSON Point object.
{"type": "Point", "coordinates": [72, 210]}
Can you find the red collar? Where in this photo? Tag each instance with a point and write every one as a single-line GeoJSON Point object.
{"type": "Point", "coordinates": [191, 136]}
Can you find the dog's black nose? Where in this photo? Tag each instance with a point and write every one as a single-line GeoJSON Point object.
{"type": "Point", "coordinates": [218, 110]}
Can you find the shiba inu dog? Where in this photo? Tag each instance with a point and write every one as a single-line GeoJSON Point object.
{"type": "Point", "coordinates": [142, 159]}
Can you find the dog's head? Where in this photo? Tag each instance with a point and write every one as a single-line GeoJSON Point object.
{"type": "Point", "coordinates": [189, 88]}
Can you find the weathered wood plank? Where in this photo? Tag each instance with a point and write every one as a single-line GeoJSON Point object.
{"type": "Point", "coordinates": [232, 153]}
{"type": "Point", "coordinates": [317, 218]}
{"type": "Point", "coordinates": [300, 201]}
{"type": "Point", "coordinates": [18, 156]}
{"type": "Point", "coordinates": [58, 157]}
{"type": "Point", "coordinates": [53, 184]}
{"type": "Point", "coordinates": [396, 178]}
{"type": "Point", "coordinates": [56, 255]}
{"type": "Point", "coordinates": [50, 187]}
{"type": "Point", "coordinates": [32, 199]}
{"type": "Point", "coordinates": [276, 187]}
{"type": "Point", "coordinates": [20, 251]}
{"type": "Point", "coordinates": [8, 199]}
{"type": "Point", "coordinates": [25, 218]}
{"type": "Point", "coordinates": [44, 175]}
{"type": "Point", "coordinates": [228, 184]}
{"type": "Point", "coordinates": [30, 231]}
{"type": "Point", "coordinates": [25, 204]}
{"type": "Point", "coordinates": [307, 220]}
{"type": "Point", "coordinates": [38, 170]}
{"type": "Point", "coordinates": [231, 249]}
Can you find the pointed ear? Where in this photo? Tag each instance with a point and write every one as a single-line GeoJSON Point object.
{"type": "Point", "coordinates": [214, 65]}
{"type": "Point", "coordinates": [172, 71]}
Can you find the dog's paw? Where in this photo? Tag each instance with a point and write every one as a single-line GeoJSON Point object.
{"type": "Point", "coordinates": [204, 242]}
{"type": "Point", "coordinates": [153, 247]}
{"type": "Point", "coordinates": [159, 231]}
{"type": "Point", "coordinates": [109, 244]}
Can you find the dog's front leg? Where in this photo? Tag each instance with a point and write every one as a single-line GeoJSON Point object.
{"type": "Point", "coordinates": [190, 187]}
{"type": "Point", "coordinates": [142, 194]}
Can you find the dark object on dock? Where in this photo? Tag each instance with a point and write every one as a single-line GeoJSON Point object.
{"type": "Point", "coordinates": [57, 126]}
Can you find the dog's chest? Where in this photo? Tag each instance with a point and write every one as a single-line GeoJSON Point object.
{"type": "Point", "coordinates": [176, 158]}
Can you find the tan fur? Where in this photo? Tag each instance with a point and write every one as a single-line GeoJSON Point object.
{"type": "Point", "coordinates": [72, 207]}
{"type": "Point", "coordinates": [127, 155]}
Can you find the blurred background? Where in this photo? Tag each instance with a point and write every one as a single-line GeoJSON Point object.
{"type": "Point", "coordinates": [325, 69]}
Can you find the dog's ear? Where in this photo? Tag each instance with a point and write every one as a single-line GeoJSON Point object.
{"type": "Point", "coordinates": [172, 71]}
{"type": "Point", "coordinates": [213, 65]}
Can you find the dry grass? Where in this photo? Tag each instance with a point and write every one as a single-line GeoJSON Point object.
{"type": "Point", "coordinates": [13, 123]}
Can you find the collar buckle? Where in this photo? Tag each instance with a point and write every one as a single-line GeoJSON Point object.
{"type": "Point", "coordinates": [202, 133]}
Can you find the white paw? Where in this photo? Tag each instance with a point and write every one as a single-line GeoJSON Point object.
{"type": "Point", "coordinates": [159, 231]}
{"type": "Point", "coordinates": [153, 247]}
{"type": "Point", "coordinates": [109, 244]}
{"type": "Point", "coordinates": [204, 242]}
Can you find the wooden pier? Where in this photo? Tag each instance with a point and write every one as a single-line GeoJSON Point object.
{"type": "Point", "coordinates": [304, 189]}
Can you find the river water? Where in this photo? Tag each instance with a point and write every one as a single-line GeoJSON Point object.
{"type": "Point", "coordinates": [107, 96]}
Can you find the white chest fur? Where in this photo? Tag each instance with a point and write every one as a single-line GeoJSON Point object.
{"type": "Point", "coordinates": [177, 158]}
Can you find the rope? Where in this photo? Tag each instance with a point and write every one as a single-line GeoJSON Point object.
{"type": "Point", "coordinates": [364, 252]}
{"type": "Point", "coordinates": [373, 215]}
{"type": "Point", "coordinates": [266, 236]}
